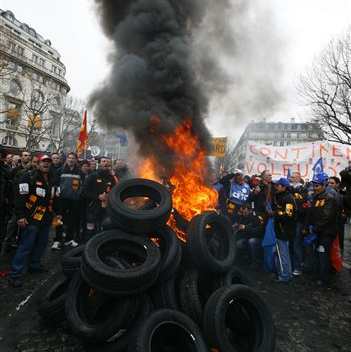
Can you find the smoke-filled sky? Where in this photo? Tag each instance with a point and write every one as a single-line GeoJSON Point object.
{"type": "Point", "coordinates": [261, 47]}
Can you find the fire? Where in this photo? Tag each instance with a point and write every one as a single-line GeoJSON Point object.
{"type": "Point", "coordinates": [190, 194]}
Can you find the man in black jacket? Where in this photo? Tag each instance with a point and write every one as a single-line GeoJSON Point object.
{"type": "Point", "coordinates": [70, 180]}
{"type": "Point", "coordinates": [323, 218]}
{"type": "Point", "coordinates": [36, 200]}
{"type": "Point", "coordinates": [249, 233]}
{"type": "Point", "coordinates": [284, 212]}
{"type": "Point", "coordinates": [95, 191]}
{"type": "Point", "coordinates": [5, 187]}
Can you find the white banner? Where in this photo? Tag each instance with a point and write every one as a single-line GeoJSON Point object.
{"type": "Point", "coordinates": [299, 157]}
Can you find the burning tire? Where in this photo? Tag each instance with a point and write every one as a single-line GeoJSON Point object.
{"type": "Point", "coordinates": [168, 330]}
{"type": "Point", "coordinates": [233, 277]}
{"type": "Point", "coordinates": [237, 319]}
{"type": "Point", "coordinates": [193, 294]}
{"type": "Point", "coordinates": [107, 275]}
{"type": "Point", "coordinates": [211, 242]}
{"type": "Point", "coordinates": [94, 316]}
{"type": "Point", "coordinates": [140, 221]}
{"type": "Point", "coordinates": [171, 253]}
{"type": "Point", "coordinates": [52, 297]}
{"type": "Point", "coordinates": [71, 261]}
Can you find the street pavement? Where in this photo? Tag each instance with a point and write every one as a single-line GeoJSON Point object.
{"type": "Point", "coordinates": [308, 318]}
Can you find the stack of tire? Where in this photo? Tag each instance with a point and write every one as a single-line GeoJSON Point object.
{"type": "Point", "coordinates": [135, 287]}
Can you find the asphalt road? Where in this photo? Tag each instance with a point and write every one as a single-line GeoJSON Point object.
{"type": "Point", "coordinates": [308, 318]}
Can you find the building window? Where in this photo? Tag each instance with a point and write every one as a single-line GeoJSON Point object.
{"type": "Point", "coordinates": [41, 62]}
{"type": "Point", "coordinates": [15, 88]}
{"type": "Point", "coordinates": [55, 125]}
{"type": "Point", "coordinates": [13, 113]}
{"type": "Point", "coordinates": [294, 127]}
{"type": "Point", "coordinates": [282, 143]}
{"type": "Point", "coordinates": [53, 68]}
{"type": "Point", "coordinates": [288, 135]}
{"type": "Point", "coordinates": [20, 50]}
{"type": "Point", "coordinates": [35, 58]}
{"type": "Point", "coordinates": [12, 46]}
{"type": "Point", "coordinates": [10, 140]}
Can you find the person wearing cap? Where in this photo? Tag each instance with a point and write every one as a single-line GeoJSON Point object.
{"type": "Point", "coordinates": [284, 213]}
{"type": "Point", "coordinates": [35, 203]}
{"type": "Point", "coordinates": [323, 218]}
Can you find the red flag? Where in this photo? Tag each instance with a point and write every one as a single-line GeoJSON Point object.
{"type": "Point", "coordinates": [82, 143]}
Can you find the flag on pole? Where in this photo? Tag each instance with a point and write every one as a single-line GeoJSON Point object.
{"type": "Point", "coordinates": [82, 143]}
{"type": "Point", "coordinates": [318, 167]}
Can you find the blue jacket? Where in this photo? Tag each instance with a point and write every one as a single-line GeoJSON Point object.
{"type": "Point", "coordinates": [239, 194]}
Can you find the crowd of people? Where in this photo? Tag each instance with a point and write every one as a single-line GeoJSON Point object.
{"type": "Point", "coordinates": [287, 226]}
{"type": "Point", "coordinates": [38, 193]}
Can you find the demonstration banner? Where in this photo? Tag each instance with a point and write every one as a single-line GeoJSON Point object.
{"type": "Point", "coordinates": [300, 157]}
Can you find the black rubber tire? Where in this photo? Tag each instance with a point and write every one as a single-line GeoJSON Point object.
{"type": "Point", "coordinates": [71, 261]}
{"type": "Point", "coordinates": [233, 277]}
{"type": "Point", "coordinates": [164, 295]}
{"type": "Point", "coordinates": [108, 224]}
{"type": "Point", "coordinates": [51, 299]}
{"type": "Point", "coordinates": [201, 245]}
{"type": "Point", "coordinates": [112, 280]}
{"type": "Point", "coordinates": [84, 317]}
{"type": "Point", "coordinates": [120, 343]}
{"type": "Point", "coordinates": [140, 221]}
{"type": "Point", "coordinates": [171, 253]}
{"type": "Point", "coordinates": [168, 330]}
{"type": "Point", "coordinates": [194, 291]}
{"type": "Point", "coordinates": [237, 319]}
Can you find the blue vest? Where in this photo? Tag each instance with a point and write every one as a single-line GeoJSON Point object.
{"type": "Point", "coordinates": [239, 194]}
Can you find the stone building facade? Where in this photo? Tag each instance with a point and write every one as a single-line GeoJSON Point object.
{"type": "Point", "coordinates": [33, 87]}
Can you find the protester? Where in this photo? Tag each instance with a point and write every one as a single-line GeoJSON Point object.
{"type": "Point", "coordinates": [16, 159]}
{"type": "Point", "coordinates": [249, 232]}
{"type": "Point", "coordinates": [8, 161]}
{"type": "Point", "coordinates": [5, 186]}
{"type": "Point", "coordinates": [70, 181]}
{"type": "Point", "coordinates": [323, 221]}
{"type": "Point", "coordinates": [16, 174]}
{"type": "Point", "coordinates": [335, 183]}
{"type": "Point", "coordinates": [96, 188]}
{"type": "Point", "coordinates": [284, 211]}
{"type": "Point", "coordinates": [34, 206]}
{"type": "Point", "coordinates": [297, 249]}
{"type": "Point", "coordinates": [239, 194]}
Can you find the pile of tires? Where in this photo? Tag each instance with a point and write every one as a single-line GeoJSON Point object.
{"type": "Point", "coordinates": [135, 287]}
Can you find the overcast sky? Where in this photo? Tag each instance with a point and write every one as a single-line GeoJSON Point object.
{"type": "Point", "coordinates": [306, 26]}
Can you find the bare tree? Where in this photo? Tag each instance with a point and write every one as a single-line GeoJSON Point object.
{"type": "Point", "coordinates": [37, 124]}
{"type": "Point", "coordinates": [327, 90]}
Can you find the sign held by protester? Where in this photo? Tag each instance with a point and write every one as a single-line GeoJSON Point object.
{"type": "Point", "coordinates": [300, 157]}
{"type": "Point", "coordinates": [218, 147]}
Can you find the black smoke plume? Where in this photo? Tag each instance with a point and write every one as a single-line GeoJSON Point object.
{"type": "Point", "coordinates": [152, 87]}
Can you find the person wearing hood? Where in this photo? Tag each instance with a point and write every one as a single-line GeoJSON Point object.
{"type": "Point", "coordinates": [70, 181]}
{"type": "Point", "coordinates": [96, 188]}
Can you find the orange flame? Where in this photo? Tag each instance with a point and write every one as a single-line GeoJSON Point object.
{"type": "Point", "coordinates": [190, 194]}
